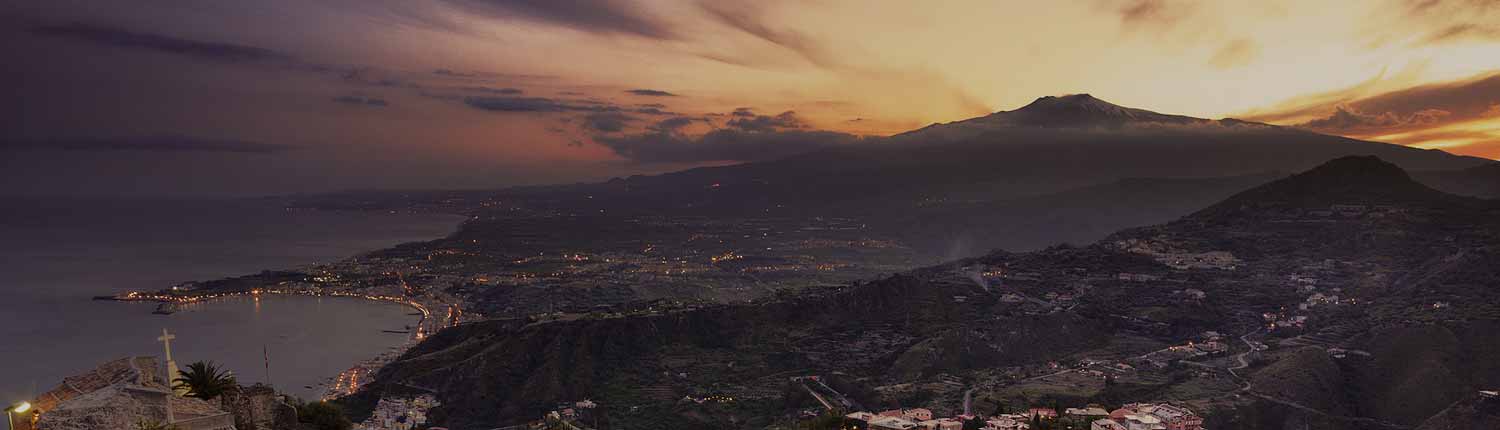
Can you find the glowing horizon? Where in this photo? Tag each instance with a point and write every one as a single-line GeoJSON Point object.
{"type": "Point", "coordinates": [471, 93]}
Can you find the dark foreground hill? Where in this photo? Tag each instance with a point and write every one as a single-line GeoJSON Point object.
{"type": "Point", "coordinates": [1481, 181]}
{"type": "Point", "coordinates": [1475, 412]}
{"type": "Point", "coordinates": [1414, 271]}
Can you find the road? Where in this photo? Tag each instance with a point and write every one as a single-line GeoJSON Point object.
{"type": "Point", "coordinates": [1249, 389]}
{"type": "Point", "coordinates": [1317, 412]}
{"type": "Point", "coordinates": [1244, 360]}
{"type": "Point", "coordinates": [819, 397]}
{"type": "Point", "coordinates": [839, 396]}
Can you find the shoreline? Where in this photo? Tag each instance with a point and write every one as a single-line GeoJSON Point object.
{"type": "Point", "coordinates": [344, 383]}
{"type": "Point", "coordinates": [175, 300]}
{"type": "Point", "coordinates": [349, 380]}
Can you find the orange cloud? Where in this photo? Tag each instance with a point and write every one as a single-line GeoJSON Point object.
{"type": "Point", "coordinates": [1461, 116]}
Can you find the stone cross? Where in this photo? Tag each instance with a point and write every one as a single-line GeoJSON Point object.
{"type": "Point", "coordinates": [172, 371]}
{"type": "Point", "coordinates": [166, 340]}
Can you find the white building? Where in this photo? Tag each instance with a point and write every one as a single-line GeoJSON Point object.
{"type": "Point", "coordinates": [891, 423]}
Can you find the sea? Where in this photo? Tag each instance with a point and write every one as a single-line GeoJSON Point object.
{"type": "Point", "coordinates": [57, 254]}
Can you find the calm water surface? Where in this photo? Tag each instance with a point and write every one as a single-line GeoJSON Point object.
{"type": "Point", "coordinates": [56, 254]}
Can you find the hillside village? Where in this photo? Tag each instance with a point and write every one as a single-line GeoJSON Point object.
{"type": "Point", "coordinates": [1134, 416]}
{"type": "Point", "coordinates": [1201, 323]}
{"type": "Point", "coordinates": [752, 215]}
{"type": "Point", "coordinates": [1194, 315]}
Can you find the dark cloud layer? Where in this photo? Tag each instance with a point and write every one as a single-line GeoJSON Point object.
{"type": "Point", "coordinates": [650, 93]}
{"type": "Point", "coordinates": [673, 124]}
{"type": "Point", "coordinates": [361, 101]}
{"type": "Point", "coordinates": [508, 100]}
{"type": "Point", "coordinates": [653, 111]}
{"type": "Point", "coordinates": [722, 145]}
{"type": "Point", "coordinates": [784, 120]}
{"type": "Point", "coordinates": [593, 16]}
{"type": "Point", "coordinates": [1412, 108]}
{"type": "Point", "coordinates": [121, 38]}
{"type": "Point", "coordinates": [490, 90]}
{"type": "Point", "coordinates": [608, 122]}
{"type": "Point", "coordinates": [535, 104]}
{"type": "Point", "coordinates": [1346, 118]}
{"type": "Point", "coordinates": [147, 143]}
{"type": "Point", "coordinates": [1456, 116]}
{"type": "Point", "coordinates": [745, 137]}
{"type": "Point", "coordinates": [456, 74]}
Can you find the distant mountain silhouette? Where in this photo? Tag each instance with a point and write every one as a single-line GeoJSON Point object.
{"type": "Point", "coordinates": [1084, 109]}
{"type": "Point", "coordinates": [1076, 111]}
{"type": "Point", "coordinates": [1354, 180]}
{"type": "Point", "coordinates": [956, 174]}
{"type": "Point", "coordinates": [1482, 181]}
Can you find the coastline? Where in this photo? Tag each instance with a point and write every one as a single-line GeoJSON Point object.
{"type": "Point", "coordinates": [175, 300]}
{"type": "Point", "coordinates": [348, 381]}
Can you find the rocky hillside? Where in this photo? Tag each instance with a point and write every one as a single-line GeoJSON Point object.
{"type": "Point", "coordinates": [907, 325]}
{"type": "Point", "coordinates": [1415, 271]}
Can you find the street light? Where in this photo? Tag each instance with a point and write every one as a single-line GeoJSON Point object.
{"type": "Point", "coordinates": [18, 408]}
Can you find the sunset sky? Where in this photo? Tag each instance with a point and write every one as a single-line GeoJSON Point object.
{"type": "Point", "coordinates": [276, 96]}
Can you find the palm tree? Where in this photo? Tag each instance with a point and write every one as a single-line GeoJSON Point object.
{"type": "Point", "coordinates": [204, 380]}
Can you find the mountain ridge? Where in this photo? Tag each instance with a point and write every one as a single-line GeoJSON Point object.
{"type": "Point", "coordinates": [939, 321]}
{"type": "Point", "coordinates": [1079, 112]}
{"type": "Point", "coordinates": [1085, 109]}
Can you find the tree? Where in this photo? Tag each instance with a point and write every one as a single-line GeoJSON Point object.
{"type": "Point", "coordinates": [154, 425]}
{"type": "Point", "coordinates": [824, 422]}
{"type": "Point", "coordinates": [999, 407]}
{"type": "Point", "coordinates": [323, 416]}
{"type": "Point", "coordinates": [974, 424]}
{"type": "Point", "coordinates": [205, 380]}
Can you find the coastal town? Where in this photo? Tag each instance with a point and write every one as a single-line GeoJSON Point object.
{"type": "Point", "coordinates": [1133, 416]}
{"type": "Point", "coordinates": [1193, 328]}
{"type": "Point", "coordinates": [750, 215]}
{"type": "Point", "coordinates": [523, 273]}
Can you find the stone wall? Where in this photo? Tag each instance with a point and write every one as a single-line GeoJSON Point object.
{"type": "Point", "coordinates": [258, 407]}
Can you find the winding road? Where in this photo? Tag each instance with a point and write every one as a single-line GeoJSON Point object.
{"type": "Point", "coordinates": [1244, 362]}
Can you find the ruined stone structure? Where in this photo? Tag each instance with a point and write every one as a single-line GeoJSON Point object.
{"type": "Point", "coordinates": [258, 407]}
{"type": "Point", "coordinates": [120, 394]}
